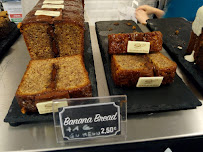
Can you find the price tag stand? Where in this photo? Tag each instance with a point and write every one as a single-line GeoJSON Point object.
{"type": "Point", "coordinates": [96, 118]}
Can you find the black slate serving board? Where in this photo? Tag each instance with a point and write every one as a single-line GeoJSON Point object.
{"type": "Point", "coordinates": [171, 41]}
{"type": "Point", "coordinates": [8, 41]}
{"type": "Point", "coordinates": [15, 117]}
{"type": "Point", "coordinates": [170, 97]}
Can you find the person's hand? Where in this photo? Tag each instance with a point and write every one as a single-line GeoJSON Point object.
{"type": "Point", "coordinates": [141, 16]}
{"type": "Point", "coordinates": [148, 9]}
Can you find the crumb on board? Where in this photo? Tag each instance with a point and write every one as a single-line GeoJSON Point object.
{"type": "Point", "coordinates": [180, 47]}
{"type": "Point", "coordinates": [177, 32]}
{"type": "Point", "coordinates": [128, 23]}
{"type": "Point", "coordinates": [116, 23]}
{"type": "Point", "coordinates": [110, 29]}
{"type": "Point", "coordinates": [134, 27]}
{"type": "Point", "coordinates": [23, 110]}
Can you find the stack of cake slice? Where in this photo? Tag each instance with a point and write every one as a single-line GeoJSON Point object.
{"type": "Point", "coordinates": [128, 68]}
{"type": "Point", "coordinates": [54, 34]}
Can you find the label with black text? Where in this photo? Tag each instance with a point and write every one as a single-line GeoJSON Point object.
{"type": "Point", "coordinates": [90, 121]}
{"type": "Point", "coordinates": [149, 81]}
{"type": "Point", "coordinates": [138, 47]}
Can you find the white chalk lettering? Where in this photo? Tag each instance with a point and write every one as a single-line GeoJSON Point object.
{"type": "Point", "coordinates": [99, 118]}
{"type": "Point", "coordinates": [69, 121]}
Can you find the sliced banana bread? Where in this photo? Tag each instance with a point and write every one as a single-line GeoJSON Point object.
{"type": "Point", "coordinates": [55, 78]}
{"type": "Point", "coordinates": [126, 69]}
{"type": "Point", "coordinates": [163, 66]}
{"type": "Point", "coordinates": [57, 32]}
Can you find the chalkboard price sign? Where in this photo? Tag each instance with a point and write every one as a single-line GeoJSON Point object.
{"type": "Point", "coordinates": [90, 121]}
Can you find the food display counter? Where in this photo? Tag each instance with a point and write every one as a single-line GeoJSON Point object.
{"type": "Point", "coordinates": [41, 136]}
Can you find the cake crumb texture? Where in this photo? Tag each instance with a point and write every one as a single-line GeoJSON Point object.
{"type": "Point", "coordinates": [48, 79]}
{"type": "Point", "coordinates": [126, 69]}
{"type": "Point", "coordinates": [54, 36]}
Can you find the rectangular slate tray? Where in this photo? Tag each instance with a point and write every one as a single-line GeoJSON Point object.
{"type": "Point", "coordinates": [171, 41]}
{"type": "Point", "coordinates": [8, 41]}
{"type": "Point", "coordinates": [141, 100]}
{"type": "Point", "coordinates": [15, 117]}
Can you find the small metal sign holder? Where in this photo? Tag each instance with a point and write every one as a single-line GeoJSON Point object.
{"type": "Point", "coordinates": [87, 119]}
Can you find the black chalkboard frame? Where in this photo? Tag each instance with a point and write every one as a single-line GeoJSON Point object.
{"type": "Point", "coordinates": [88, 108]}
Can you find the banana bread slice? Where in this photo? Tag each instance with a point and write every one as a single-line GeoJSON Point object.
{"type": "Point", "coordinates": [126, 69]}
{"type": "Point", "coordinates": [54, 36]}
{"type": "Point", "coordinates": [55, 78]}
{"type": "Point", "coordinates": [163, 66]}
{"type": "Point", "coordinates": [118, 43]}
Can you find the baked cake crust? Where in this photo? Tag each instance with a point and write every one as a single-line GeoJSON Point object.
{"type": "Point", "coordinates": [49, 37]}
{"type": "Point", "coordinates": [126, 69]}
{"type": "Point", "coordinates": [163, 66]}
{"type": "Point", "coordinates": [54, 83]}
{"type": "Point", "coordinates": [117, 43]}
{"type": "Point", "coordinates": [129, 76]}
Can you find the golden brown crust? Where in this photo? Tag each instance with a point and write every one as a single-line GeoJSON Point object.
{"type": "Point", "coordinates": [49, 43]}
{"type": "Point", "coordinates": [155, 64]}
{"type": "Point", "coordinates": [129, 77]}
{"type": "Point", "coordinates": [117, 43]}
{"type": "Point", "coordinates": [28, 100]}
{"type": "Point", "coordinates": [28, 103]}
{"type": "Point", "coordinates": [163, 67]}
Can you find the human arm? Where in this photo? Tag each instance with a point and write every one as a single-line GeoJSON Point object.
{"type": "Point", "coordinates": [141, 16]}
{"type": "Point", "coordinates": [151, 10]}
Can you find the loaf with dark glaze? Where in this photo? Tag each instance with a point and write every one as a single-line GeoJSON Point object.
{"type": "Point", "coordinates": [56, 78]}
{"type": "Point", "coordinates": [117, 43]}
{"type": "Point", "coordinates": [49, 37]}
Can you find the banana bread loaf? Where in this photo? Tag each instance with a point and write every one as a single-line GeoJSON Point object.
{"type": "Point", "coordinates": [118, 42]}
{"type": "Point", "coordinates": [54, 29]}
{"type": "Point", "coordinates": [163, 66]}
{"type": "Point", "coordinates": [126, 69]}
{"type": "Point", "coordinates": [48, 79]}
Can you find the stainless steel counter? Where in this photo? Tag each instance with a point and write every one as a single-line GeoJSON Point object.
{"type": "Point", "coordinates": [41, 136]}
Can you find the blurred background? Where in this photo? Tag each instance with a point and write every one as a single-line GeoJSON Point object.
{"type": "Point", "coordinates": [95, 10]}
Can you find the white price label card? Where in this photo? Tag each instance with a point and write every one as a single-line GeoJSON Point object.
{"type": "Point", "coordinates": [53, 2]}
{"type": "Point", "coordinates": [46, 107]}
{"type": "Point", "coordinates": [149, 81]}
{"type": "Point", "coordinates": [47, 13]}
{"type": "Point", "coordinates": [138, 47]}
{"type": "Point", "coordinates": [52, 6]}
